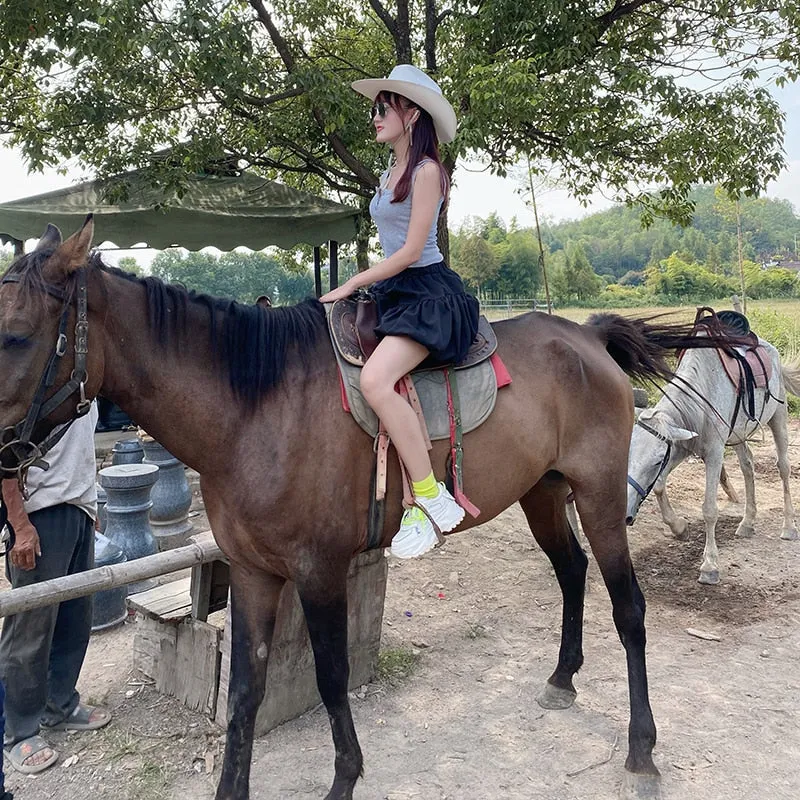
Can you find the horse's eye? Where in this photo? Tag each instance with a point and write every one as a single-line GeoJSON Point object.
{"type": "Point", "coordinates": [11, 340]}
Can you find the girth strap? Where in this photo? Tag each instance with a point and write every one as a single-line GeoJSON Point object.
{"type": "Point", "coordinates": [456, 448]}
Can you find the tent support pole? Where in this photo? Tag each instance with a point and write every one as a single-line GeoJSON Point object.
{"type": "Point", "coordinates": [334, 264]}
{"type": "Point", "coordinates": [317, 272]}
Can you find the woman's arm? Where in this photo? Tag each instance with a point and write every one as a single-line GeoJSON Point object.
{"type": "Point", "coordinates": [424, 206]}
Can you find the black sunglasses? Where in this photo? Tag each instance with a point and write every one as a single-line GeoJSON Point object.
{"type": "Point", "coordinates": [380, 110]}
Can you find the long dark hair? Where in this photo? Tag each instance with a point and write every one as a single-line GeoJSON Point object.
{"type": "Point", "coordinates": [424, 144]}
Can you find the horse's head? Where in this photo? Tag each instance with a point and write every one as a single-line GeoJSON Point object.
{"type": "Point", "coordinates": [48, 376]}
{"type": "Point", "coordinates": [652, 441]}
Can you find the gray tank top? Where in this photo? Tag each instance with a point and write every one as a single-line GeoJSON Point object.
{"type": "Point", "coordinates": [392, 220]}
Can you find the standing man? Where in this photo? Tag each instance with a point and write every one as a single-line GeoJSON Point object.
{"type": "Point", "coordinates": [42, 651]}
{"type": "Point", "coordinates": [4, 795]}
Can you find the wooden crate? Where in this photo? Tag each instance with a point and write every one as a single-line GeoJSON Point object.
{"type": "Point", "coordinates": [291, 679]}
{"type": "Point", "coordinates": [180, 653]}
{"type": "Point", "coordinates": [189, 658]}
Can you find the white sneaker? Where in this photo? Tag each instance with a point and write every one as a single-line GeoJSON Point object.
{"type": "Point", "coordinates": [443, 508]}
{"type": "Point", "coordinates": [417, 535]}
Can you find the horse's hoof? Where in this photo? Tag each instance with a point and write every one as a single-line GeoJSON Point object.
{"type": "Point", "coordinates": [789, 534]}
{"type": "Point", "coordinates": [555, 698]}
{"type": "Point", "coordinates": [745, 531]}
{"type": "Point", "coordinates": [640, 787]}
{"type": "Point", "coordinates": [680, 530]}
{"type": "Point", "coordinates": [709, 577]}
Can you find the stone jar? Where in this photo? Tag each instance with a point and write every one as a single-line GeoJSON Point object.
{"type": "Point", "coordinates": [127, 451]}
{"type": "Point", "coordinates": [108, 607]}
{"type": "Point", "coordinates": [128, 489]}
{"type": "Point", "coordinates": [102, 499]}
{"type": "Point", "coordinates": [171, 496]}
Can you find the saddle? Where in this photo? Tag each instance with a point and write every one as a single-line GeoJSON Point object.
{"type": "Point", "coordinates": [747, 366]}
{"type": "Point", "coordinates": [352, 324]}
{"type": "Point", "coordinates": [449, 399]}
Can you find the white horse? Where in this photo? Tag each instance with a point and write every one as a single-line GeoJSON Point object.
{"type": "Point", "coordinates": [698, 415]}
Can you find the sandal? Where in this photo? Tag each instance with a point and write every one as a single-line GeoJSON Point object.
{"type": "Point", "coordinates": [83, 718]}
{"type": "Point", "coordinates": [24, 750]}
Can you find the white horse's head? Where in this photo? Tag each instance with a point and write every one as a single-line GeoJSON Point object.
{"type": "Point", "coordinates": [652, 440]}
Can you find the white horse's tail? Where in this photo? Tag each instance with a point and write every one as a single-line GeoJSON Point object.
{"type": "Point", "coordinates": [791, 377]}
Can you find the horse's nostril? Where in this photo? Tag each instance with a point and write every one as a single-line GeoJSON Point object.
{"type": "Point", "coordinates": [629, 520]}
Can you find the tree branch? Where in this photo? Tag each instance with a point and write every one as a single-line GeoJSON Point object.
{"type": "Point", "coordinates": [264, 102]}
{"type": "Point", "coordinates": [431, 24]}
{"type": "Point", "coordinates": [280, 43]}
{"type": "Point", "coordinates": [362, 174]}
{"type": "Point", "coordinates": [385, 17]}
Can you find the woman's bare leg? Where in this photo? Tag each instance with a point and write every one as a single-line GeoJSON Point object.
{"type": "Point", "coordinates": [393, 358]}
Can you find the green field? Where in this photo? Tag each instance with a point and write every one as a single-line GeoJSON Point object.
{"type": "Point", "coordinates": [777, 321]}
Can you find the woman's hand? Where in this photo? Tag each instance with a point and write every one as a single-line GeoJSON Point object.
{"type": "Point", "coordinates": [345, 290]}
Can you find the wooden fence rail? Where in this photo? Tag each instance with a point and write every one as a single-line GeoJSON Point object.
{"type": "Point", "coordinates": [202, 550]}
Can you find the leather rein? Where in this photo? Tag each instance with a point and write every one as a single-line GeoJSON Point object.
{"type": "Point", "coordinates": [17, 438]}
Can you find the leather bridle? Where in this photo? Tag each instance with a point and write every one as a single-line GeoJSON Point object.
{"type": "Point", "coordinates": [664, 461]}
{"type": "Point", "coordinates": [17, 438]}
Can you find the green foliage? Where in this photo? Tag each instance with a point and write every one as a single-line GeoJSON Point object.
{"type": "Point", "coordinates": [779, 329]}
{"type": "Point", "coordinates": [572, 278]}
{"type": "Point", "coordinates": [767, 283]}
{"type": "Point", "coordinates": [676, 279]}
{"type": "Point", "coordinates": [6, 257]}
{"type": "Point", "coordinates": [476, 262]}
{"type": "Point", "coordinates": [241, 276]}
{"type": "Point", "coordinates": [616, 243]}
{"type": "Point", "coordinates": [604, 92]}
{"type": "Point", "coordinates": [496, 262]}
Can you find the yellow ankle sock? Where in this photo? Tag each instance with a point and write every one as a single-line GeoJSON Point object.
{"type": "Point", "coordinates": [427, 487]}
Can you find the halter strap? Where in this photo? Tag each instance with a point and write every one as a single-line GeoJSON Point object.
{"type": "Point", "coordinates": [643, 493]}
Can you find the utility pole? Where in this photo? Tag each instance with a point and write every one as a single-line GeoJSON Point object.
{"type": "Point", "coordinates": [539, 237]}
{"type": "Point", "coordinates": [739, 249]}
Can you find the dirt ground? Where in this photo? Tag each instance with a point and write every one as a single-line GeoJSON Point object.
{"type": "Point", "coordinates": [482, 618]}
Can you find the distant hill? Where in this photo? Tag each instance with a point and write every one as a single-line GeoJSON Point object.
{"type": "Point", "coordinates": [616, 244]}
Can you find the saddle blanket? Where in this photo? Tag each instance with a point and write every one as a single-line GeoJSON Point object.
{"type": "Point", "coordinates": [477, 390]}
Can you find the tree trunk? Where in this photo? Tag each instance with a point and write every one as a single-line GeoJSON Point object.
{"type": "Point", "coordinates": [362, 237]}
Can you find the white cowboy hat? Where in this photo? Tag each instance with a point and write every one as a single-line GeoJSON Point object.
{"type": "Point", "coordinates": [415, 85]}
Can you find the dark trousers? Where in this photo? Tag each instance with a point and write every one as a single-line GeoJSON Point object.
{"type": "Point", "coordinates": [2, 734]}
{"type": "Point", "coordinates": [42, 651]}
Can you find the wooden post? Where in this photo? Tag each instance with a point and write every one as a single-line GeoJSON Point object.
{"type": "Point", "coordinates": [202, 549]}
{"type": "Point", "coordinates": [317, 272]}
{"type": "Point", "coordinates": [334, 264]}
{"type": "Point", "coordinates": [209, 588]}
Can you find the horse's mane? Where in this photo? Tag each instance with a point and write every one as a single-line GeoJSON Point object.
{"type": "Point", "coordinates": [32, 283]}
{"type": "Point", "coordinates": [250, 344]}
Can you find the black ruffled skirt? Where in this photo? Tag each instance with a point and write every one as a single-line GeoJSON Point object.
{"type": "Point", "coordinates": [431, 306]}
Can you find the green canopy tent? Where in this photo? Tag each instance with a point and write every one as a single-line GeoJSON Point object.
{"type": "Point", "coordinates": [222, 211]}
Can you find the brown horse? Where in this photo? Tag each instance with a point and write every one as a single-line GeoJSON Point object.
{"type": "Point", "coordinates": [248, 397]}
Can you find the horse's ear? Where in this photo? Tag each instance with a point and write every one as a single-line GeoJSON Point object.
{"type": "Point", "coordinates": [51, 239]}
{"type": "Point", "coordinates": [74, 252]}
{"type": "Point", "coordinates": [662, 423]}
{"type": "Point", "coordinates": [677, 434]}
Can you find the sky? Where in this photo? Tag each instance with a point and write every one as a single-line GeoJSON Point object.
{"type": "Point", "coordinates": [476, 192]}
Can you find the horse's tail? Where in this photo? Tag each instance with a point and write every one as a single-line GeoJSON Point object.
{"type": "Point", "coordinates": [791, 377]}
{"type": "Point", "coordinates": [640, 346]}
